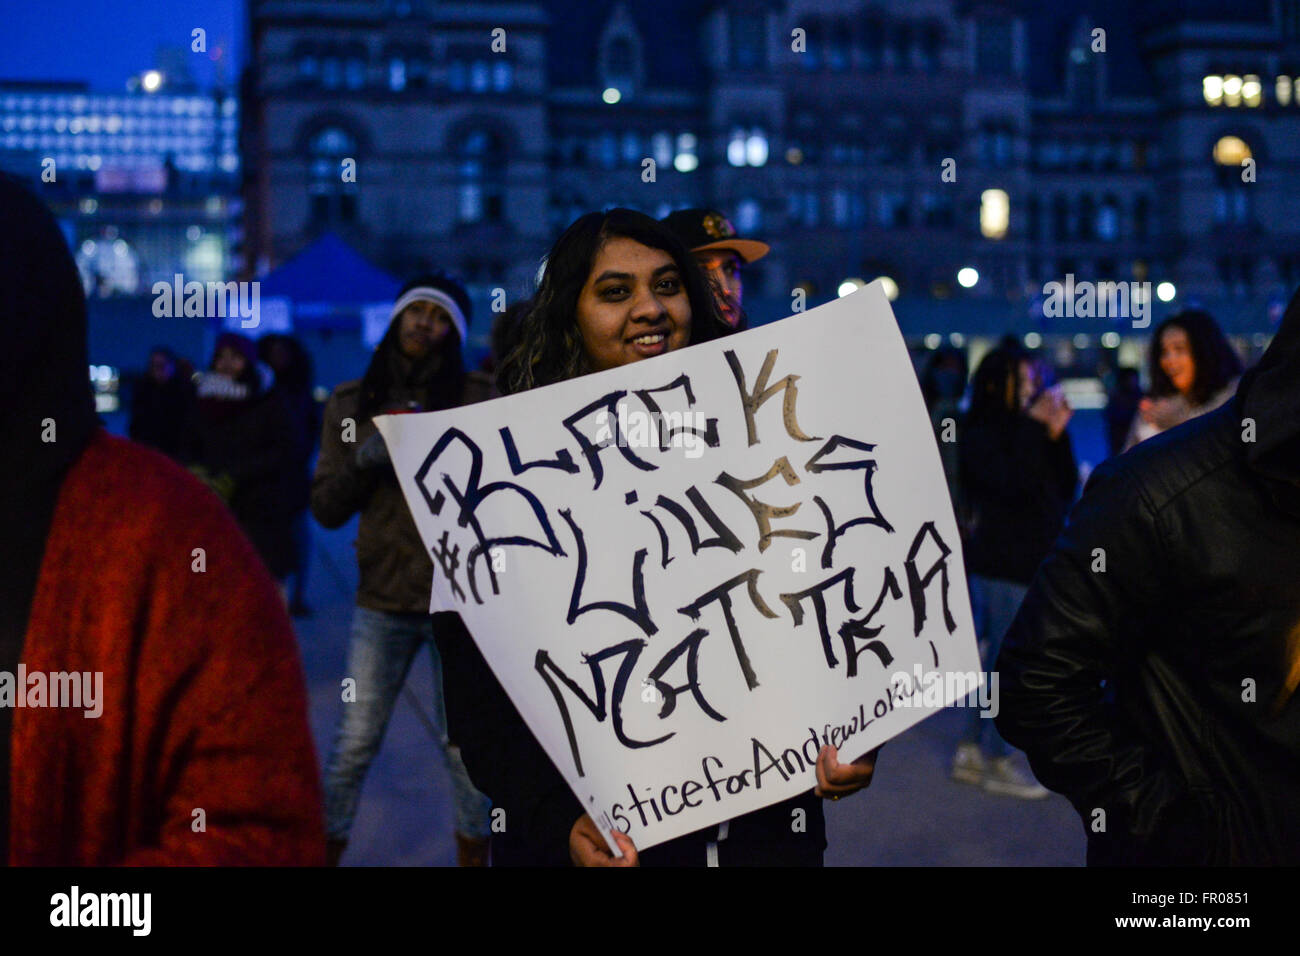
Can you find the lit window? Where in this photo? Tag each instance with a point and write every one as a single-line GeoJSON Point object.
{"type": "Point", "coordinates": [662, 147]}
{"type": "Point", "coordinates": [502, 75]}
{"type": "Point", "coordinates": [631, 147]}
{"type": "Point", "coordinates": [1283, 90]}
{"type": "Point", "coordinates": [1231, 90]}
{"type": "Point", "coordinates": [1108, 220]}
{"type": "Point", "coordinates": [397, 75]}
{"type": "Point", "coordinates": [995, 213]}
{"type": "Point", "coordinates": [840, 207]}
{"type": "Point", "coordinates": [1231, 151]}
{"type": "Point", "coordinates": [756, 148]}
{"type": "Point", "coordinates": [1250, 90]}
{"type": "Point", "coordinates": [736, 148]}
{"type": "Point", "coordinates": [686, 161]}
{"type": "Point", "coordinates": [1212, 88]}
{"type": "Point", "coordinates": [355, 74]}
{"type": "Point", "coordinates": [478, 76]}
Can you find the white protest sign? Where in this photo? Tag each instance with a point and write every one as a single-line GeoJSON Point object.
{"type": "Point", "coordinates": [691, 572]}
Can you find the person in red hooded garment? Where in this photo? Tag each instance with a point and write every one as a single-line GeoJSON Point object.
{"type": "Point", "coordinates": [190, 742]}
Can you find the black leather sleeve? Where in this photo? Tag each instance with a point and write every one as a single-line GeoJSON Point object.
{"type": "Point", "coordinates": [1078, 627]}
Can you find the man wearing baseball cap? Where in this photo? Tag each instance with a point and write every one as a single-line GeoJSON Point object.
{"type": "Point", "coordinates": [720, 252]}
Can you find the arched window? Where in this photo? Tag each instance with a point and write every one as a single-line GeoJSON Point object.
{"type": "Point", "coordinates": [481, 192]}
{"type": "Point", "coordinates": [620, 57]}
{"type": "Point", "coordinates": [1232, 155]}
{"type": "Point", "coordinates": [333, 201]}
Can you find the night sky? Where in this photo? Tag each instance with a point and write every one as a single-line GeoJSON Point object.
{"type": "Point", "coordinates": [105, 41]}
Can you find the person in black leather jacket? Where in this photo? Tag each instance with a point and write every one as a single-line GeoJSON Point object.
{"type": "Point", "coordinates": [1151, 672]}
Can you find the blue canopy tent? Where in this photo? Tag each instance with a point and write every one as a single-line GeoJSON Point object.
{"type": "Point", "coordinates": [328, 285]}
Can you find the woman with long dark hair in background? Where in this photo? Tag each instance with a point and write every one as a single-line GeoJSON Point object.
{"type": "Point", "coordinates": [1193, 370]}
{"type": "Point", "coordinates": [1018, 477]}
{"type": "Point", "coordinates": [618, 287]}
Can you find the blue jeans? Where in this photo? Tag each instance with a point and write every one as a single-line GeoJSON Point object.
{"type": "Point", "coordinates": [383, 646]}
{"type": "Point", "coordinates": [994, 604]}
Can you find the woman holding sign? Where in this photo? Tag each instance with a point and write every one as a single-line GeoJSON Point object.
{"type": "Point", "coordinates": [618, 287]}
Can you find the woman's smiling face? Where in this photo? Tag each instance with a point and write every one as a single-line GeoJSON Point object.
{"type": "Point", "coordinates": [633, 305]}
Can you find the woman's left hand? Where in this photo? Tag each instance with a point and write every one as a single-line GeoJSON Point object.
{"type": "Point", "coordinates": [835, 779]}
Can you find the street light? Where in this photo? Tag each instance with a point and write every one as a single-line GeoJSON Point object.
{"type": "Point", "coordinates": [151, 81]}
{"type": "Point", "coordinates": [1165, 292]}
{"type": "Point", "coordinates": [967, 277]}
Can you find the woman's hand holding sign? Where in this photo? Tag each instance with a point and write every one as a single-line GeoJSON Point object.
{"type": "Point", "coordinates": [587, 847]}
{"type": "Point", "coordinates": [835, 779]}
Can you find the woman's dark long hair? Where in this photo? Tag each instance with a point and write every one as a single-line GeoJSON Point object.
{"type": "Point", "coordinates": [988, 387]}
{"type": "Point", "coordinates": [446, 387]}
{"type": "Point", "coordinates": [549, 347]}
{"type": "Point", "coordinates": [1216, 362]}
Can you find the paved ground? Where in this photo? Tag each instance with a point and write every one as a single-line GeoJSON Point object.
{"type": "Point", "coordinates": [912, 815]}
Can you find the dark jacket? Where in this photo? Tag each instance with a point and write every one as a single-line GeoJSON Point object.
{"type": "Point", "coordinates": [160, 412]}
{"type": "Point", "coordinates": [254, 444]}
{"type": "Point", "coordinates": [1177, 584]}
{"type": "Point", "coordinates": [506, 762]}
{"type": "Point", "coordinates": [304, 420]}
{"type": "Point", "coordinates": [1017, 485]}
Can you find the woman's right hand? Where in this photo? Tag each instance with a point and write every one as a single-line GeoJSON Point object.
{"type": "Point", "coordinates": [1147, 410]}
{"type": "Point", "coordinates": [1053, 410]}
{"type": "Point", "coordinates": [587, 847]}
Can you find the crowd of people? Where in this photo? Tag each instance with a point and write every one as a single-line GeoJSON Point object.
{"type": "Point", "coordinates": [1122, 674]}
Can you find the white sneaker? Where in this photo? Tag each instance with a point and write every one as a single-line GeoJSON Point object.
{"type": "Point", "coordinates": [969, 766]}
{"type": "Point", "coordinates": [1004, 777]}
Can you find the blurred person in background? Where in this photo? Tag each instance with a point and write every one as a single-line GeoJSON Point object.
{"type": "Point", "coordinates": [161, 404]}
{"type": "Point", "coordinates": [287, 358]}
{"type": "Point", "coordinates": [943, 383]}
{"type": "Point", "coordinates": [1193, 370]}
{"type": "Point", "coordinates": [118, 563]}
{"type": "Point", "coordinates": [1121, 407]}
{"type": "Point", "coordinates": [243, 444]}
{"type": "Point", "coordinates": [1018, 477]}
{"type": "Point", "coordinates": [720, 254]}
{"type": "Point", "coordinates": [417, 367]}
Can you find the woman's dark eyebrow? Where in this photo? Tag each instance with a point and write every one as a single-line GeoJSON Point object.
{"type": "Point", "coordinates": [627, 276]}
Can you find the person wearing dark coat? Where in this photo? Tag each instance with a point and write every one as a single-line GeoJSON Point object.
{"type": "Point", "coordinates": [161, 403]}
{"type": "Point", "coordinates": [1175, 585]}
{"type": "Point", "coordinates": [242, 443]}
{"type": "Point", "coordinates": [287, 358]}
{"type": "Point", "coordinates": [1018, 475]}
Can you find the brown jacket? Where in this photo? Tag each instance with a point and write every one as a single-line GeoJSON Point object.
{"type": "Point", "coordinates": [396, 570]}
